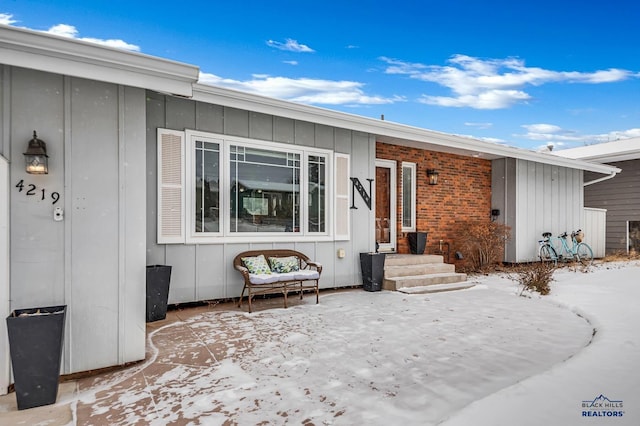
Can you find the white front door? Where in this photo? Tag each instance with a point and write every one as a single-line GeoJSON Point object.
{"type": "Point", "coordinates": [4, 274]}
{"type": "Point", "coordinates": [386, 205]}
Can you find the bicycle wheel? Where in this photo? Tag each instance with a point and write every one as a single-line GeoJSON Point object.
{"type": "Point", "coordinates": [547, 253]}
{"type": "Point", "coordinates": [584, 254]}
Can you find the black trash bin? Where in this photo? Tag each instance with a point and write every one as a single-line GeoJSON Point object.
{"type": "Point", "coordinates": [35, 345]}
{"type": "Point", "coordinates": [158, 278]}
{"type": "Point", "coordinates": [417, 242]}
{"type": "Point", "coordinates": [372, 266]}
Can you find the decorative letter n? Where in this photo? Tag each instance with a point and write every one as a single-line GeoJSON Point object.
{"type": "Point", "coordinates": [355, 184]}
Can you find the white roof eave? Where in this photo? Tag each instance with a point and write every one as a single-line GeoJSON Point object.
{"type": "Point", "coordinates": [606, 152]}
{"type": "Point", "coordinates": [27, 48]}
{"type": "Point", "coordinates": [386, 131]}
{"type": "Point", "coordinates": [61, 55]}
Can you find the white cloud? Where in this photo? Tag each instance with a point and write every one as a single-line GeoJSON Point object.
{"type": "Point", "coordinates": [542, 128]}
{"type": "Point", "coordinates": [290, 45]}
{"type": "Point", "coordinates": [70, 31]}
{"type": "Point", "coordinates": [623, 134]}
{"type": "Point", "coordinates": [550, 132]}
{"type": "Point", "coordinates": [291, 62]}
{"type": "Point", "coordinates": [492, 83]}
{"type": "Point", "coordinates": [7, 19]}
{"type": "Point", "coordinates": [303, 90]}
{"type": "Point", "coordinates": [479, 125]}
{"type": "Point", "coordinates": [490, 99]}
{"type": "Point", "coordinates": [556, 136]}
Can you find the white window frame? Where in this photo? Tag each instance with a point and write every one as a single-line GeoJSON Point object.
{"type": "Point", "coordinates": [412, 213]}
{"type": "Point", "coordinates": [225, 235]}
{"type": "Point", "coordinates": [329, 184]}
{"type": "Point", "coordinates": [192, 137]}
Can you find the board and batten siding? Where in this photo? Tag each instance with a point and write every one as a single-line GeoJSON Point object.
{"type": "Point", "coordinates": [5, 308]}
{"type": "Point", "coordinates": [595, 230]}
{"type": "Point", "coordinates": [204, 271]}
{"type": "Point", "coordinates": [94, 260]}
{"type": "Point", "coordinates": [620, 196]}
{"type": "Point", "coordinates": [535, 198]}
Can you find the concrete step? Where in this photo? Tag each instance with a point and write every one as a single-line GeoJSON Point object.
{"type": "Point", "coordinates": [411, 259]}
{"type": "Point", "coordinates": [435, 288]}
{"type": "Point", "coordinates": [423, 280]}
{"type": "Point", "coordinates": [420, 269]}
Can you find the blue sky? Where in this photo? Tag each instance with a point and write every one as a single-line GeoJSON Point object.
{"type": "Point", "coordinates": [525, 74]}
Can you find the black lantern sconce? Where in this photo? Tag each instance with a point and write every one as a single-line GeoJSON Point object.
{"type": "Point", "coordinates": [36, 158]}
{"type": "Point", "coordinates": [432, 175]}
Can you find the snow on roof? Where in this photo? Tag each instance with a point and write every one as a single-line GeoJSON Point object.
{"type": "Point", "coordinates": [621, 150]}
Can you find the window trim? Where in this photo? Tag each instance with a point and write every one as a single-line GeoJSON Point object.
{"type": "Point", "coordinates": [190, 158]}
{"type": "Point", "coordinates": [412, 167]}
{"type": "Point", "coordinates": [224, 235]}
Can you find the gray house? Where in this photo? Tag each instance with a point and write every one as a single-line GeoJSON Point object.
{"type": "Point", "coordinates": [619, 196]}
{"type": "Point", "coordinates": [148, 166]}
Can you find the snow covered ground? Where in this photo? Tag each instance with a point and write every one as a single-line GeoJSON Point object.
{"type": "Point", "coordinates": [600, 385]}
{"type": "Point", "coordinates": [483, 356]}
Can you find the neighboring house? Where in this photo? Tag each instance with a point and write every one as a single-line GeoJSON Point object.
{"type": "Point", "coordinates": [620, 195]}
{"type": "Point", "coordinates": [148, 166]}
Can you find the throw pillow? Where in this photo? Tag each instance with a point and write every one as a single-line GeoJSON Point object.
{"type": "Point", "coordinates": [284, 264]}
{"type": "Point", "coordinates": [256, 265]}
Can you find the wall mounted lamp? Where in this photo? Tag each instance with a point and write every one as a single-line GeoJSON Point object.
{"type": "Point", "coordinates": [432, 175]}
{"type": "Point", "coordinates": [36, 158]}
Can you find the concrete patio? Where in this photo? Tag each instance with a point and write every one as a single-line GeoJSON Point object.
{"type": "Point", "coordinates": [363, 358]}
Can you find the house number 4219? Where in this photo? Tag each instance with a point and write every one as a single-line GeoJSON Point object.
{"type": "Point", "coordinates": [32, 190]}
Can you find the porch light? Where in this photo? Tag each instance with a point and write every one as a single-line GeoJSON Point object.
{"type": "Point", "coordinates": [432, 175]}
{"type": "Point", "coordinates": [36, 158]}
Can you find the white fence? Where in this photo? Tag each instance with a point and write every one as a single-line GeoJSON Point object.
{"type": "Point", "coordinates": [595, 229]}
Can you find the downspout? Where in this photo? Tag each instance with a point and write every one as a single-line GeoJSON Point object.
{"type": "Point", "coordinates": [591, 182]}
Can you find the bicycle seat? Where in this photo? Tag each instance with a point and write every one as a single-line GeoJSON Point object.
{"type": "Point", "coordinates": [546, 234]}
{"type": "Point", "coordinates": [563, 235]}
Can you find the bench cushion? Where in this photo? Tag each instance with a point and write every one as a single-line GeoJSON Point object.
{"type": "Point", "coordinates": [301, 275]}
{"type": "Point", "coordinates": [307, 274]}
{"type": "Point", "coordinates": [263, 278]}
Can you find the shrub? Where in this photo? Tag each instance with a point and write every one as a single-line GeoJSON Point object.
{"type": "Point", "coordinates": [482, 243]}
{"type": "Point", "coordinates": [535, 276]}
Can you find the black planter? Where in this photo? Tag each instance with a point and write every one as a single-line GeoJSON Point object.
{"type": "Point", "coordinates": [158, 278]}
{"type": "Point", "coordinates": [35, 341]}
{"type": "Point", "coordinates": [417, 242]}
{"type": "Point", "coordinates": [372, 265]}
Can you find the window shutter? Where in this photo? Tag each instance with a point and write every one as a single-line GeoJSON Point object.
{"type": "Point", "coordinates": [171, 197]}
{"type": "Point", "coordinates": [341, 211]}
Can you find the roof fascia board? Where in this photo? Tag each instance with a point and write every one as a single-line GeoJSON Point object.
{"type": "Point", "coordinates": [387, 129]}
{"type": "Point", "coordinates": [27, 49]}
{"type": "Point", "coordinates": [620, 150]}
{"type": "Point", "coordinates": [612, 157]}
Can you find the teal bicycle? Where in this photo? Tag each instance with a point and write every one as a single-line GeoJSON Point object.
{"type": "Point", "coordinates": [555, 249]}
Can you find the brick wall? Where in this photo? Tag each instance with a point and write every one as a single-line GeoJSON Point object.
{"type": "Point", "coordinates": [463, 192]}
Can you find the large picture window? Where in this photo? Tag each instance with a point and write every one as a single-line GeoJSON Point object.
{"type": "Point", "coordinates": [239, 189]}
{"type": "Point", "coordinates": [265, 190]}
